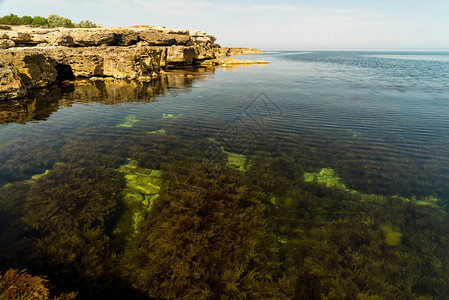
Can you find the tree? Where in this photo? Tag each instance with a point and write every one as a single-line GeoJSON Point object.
{"type": "Point", "coordinates": [10, 19]}
{"type": "Point", "coordinates": [26, 20]}
{"type": "Point", "coordinates": [39, 21]}
{"type": "Point", "coordinates": [58, 21]}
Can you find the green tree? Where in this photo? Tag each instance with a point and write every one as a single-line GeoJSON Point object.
{"type": "Point", "coordinates": [26, 20]}
{"type": "Point", "coordinates": [58, 21]}
{"type": "Point", "coordinates": [86, 24]}
{"type": "Point", "coordinates": [39, 21]}
{"type": "Point", "coordinates": [10, 19]}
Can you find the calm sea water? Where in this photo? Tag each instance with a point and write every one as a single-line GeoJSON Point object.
{"type": "Point", "coordinates": [379, 121]}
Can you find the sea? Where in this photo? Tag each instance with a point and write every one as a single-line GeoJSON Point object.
{"type": "Point", "coordinates": [345, 155]}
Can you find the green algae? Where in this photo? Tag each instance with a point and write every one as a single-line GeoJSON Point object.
{"type": "Point", "coordinates": [354, 133]}
{"type": "Point", "coordinates": [129, 122]}
{"type": "Point", "coordinates": [170, 116]}
{"type": "Point", "coordinates": [237, 161]}
{"type": "Point", "coordinates": [288, 202]}
{"type": "Point", "coordinates": [326, 177]}
{"type": "Point", "coordinates": [210, 242]}
{"type": "Point", "coordinates": [141, 190]}
{"type": "Point", "coordinates": [159, 131]}
{"type": "Point", "coordinates": [392, 235]}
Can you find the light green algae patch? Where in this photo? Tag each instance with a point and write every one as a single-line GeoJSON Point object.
{"type": "Point", "coordinates": [142, 188]}
{"type": "Point", "coordinates": [159, 131]}
{"type": "Point", "coordinates": [392, 235]}
{"type": "Point", "coordinates": [237, 161]}
{"type": "Point", "coordinates": [37, 176]}
{"type": "Point", "coordinates": [326, 177]}
{"type": "Point", "coordinates": [283, 201]}
{"type": "Point", "coordinates": [129, 122]}
{"type": "Point", "coordinates": [170, 116]}
{"type": "Point", "coordinates": [354, 133]}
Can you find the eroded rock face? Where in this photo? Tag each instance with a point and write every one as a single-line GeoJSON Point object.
{"type": "Point", "coordinates": [11, 86]}
{"type": "Point", "coordinates": [35, 68]}
{"type": "Point", "coordinates": [45, 56]}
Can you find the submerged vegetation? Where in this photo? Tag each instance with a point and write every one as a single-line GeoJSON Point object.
{"type": "Point", "coordinates": [175, 213]}
{"type": "Point", "coordinates": [205, 239]}
{"type": "Point", "coordinates": [15, 284]}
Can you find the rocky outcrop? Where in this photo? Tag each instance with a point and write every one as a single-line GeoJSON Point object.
{"type": "Point", "coordinates": [11, 86]}
{"type": "Point", "coordinates": [235, 51]}
{"type": "Point", "coordinates": [43, 57]}
{"type": "Point", "coordinates": [233, 61]}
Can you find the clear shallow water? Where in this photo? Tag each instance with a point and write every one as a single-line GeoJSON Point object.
{"type": "Point", "coordinates": [376, 120]}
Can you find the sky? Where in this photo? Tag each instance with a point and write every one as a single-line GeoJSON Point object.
{"type": "Point", "coordinates": [263, 24]}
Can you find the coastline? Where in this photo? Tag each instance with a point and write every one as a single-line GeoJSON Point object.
{"type": "Point", "coordinates": [36, 58]}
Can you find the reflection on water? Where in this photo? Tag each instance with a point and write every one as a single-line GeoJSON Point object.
{"type": "Point", "coordinates": [196, 185]}
{"type": "Point", "coordinates": [100, 90]}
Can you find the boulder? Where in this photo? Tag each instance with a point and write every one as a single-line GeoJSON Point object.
{"type": "Point", "coordinates": [5, 44]}
{"type": "Point", "coordinates": [89, 38]}
{"type": "Point", "coordinates": [181, 55]}
{"type": "Point", "coordinates": [11, 85]}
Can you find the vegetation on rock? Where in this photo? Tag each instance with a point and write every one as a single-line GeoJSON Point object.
{"type": "Point", "coordinates": [52, 21]}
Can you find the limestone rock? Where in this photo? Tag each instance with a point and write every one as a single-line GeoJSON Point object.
{"type": "Point", "coordinates": [36, 71]}
{"type": "Point", "coordinates": [11, 86]}
{"type": "Point", "coordinates": [5, 44]}
{"type": "Point", "coordinates": [88, 38]}
{"type": "Point", "coordinates": [236, 51]}
{"type": "Point", "coordinates": [181, 55]}
{"type": "Point", "coordinates": [56, 38]}
{"type": "Point", "coordinates": [44, 56]}
{"type": "Point", "coordinates": [234, 61]}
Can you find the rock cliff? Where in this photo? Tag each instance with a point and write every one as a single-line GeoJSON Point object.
{"type": "Point", "coordinates": [33, 57]}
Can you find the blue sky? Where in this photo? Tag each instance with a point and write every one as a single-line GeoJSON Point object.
{"type": "Point", "coordinates": [301, 24]}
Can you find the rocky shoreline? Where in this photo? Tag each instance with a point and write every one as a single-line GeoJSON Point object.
{"type": "Point", "coordinates": [33, 58]}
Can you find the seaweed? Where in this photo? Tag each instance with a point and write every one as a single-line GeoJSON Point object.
{"type": "Point", "coordinates": [205, 237]}
{"type": "Point", "coordinates": [71, 207]}
{"type": "Point", "coordinates": [15, 284]}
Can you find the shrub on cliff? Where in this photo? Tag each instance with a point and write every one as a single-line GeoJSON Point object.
{"type": "Point", "coordinates": [52, 21]}
{"type": "Point", "coordinates": [206, 238]}
{"type": "Point", "coordinates": [58, 21]}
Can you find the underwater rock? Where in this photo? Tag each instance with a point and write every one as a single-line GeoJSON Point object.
{"type": "Point", "coordinates": [326, 177]}
{"type": "Point", "coordinates": [129, 122]}
{"type": "Point", "coordinates": [142, 188]}
{"type": "Point", "coordinates": [170, 116]}
{"type": "Point", "coordinates": [237, 161]}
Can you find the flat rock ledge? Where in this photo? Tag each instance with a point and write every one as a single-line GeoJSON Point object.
{"type": "Point", "coordinates": [32, 58]}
